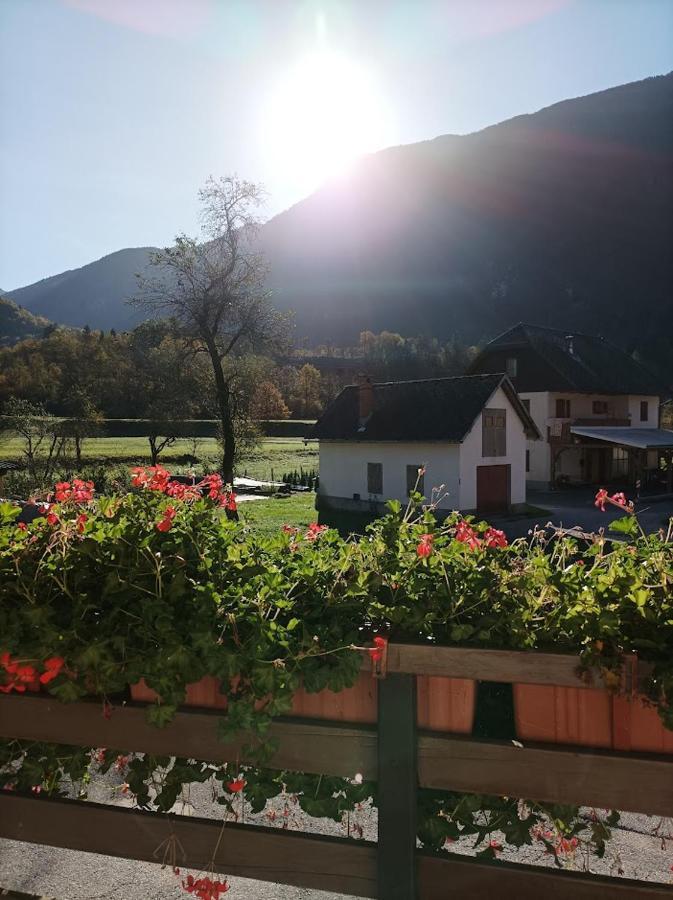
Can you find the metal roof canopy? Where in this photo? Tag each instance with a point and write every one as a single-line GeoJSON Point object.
{"type": "Point", "coordinates": [642, 438]}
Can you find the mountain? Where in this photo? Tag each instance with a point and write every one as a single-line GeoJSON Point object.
{"type": "Point", "coordinates": [17, 323]}
{"type": "Point", "coordinates": [563, 217]}
{"type": "Point", "coordinates": [92, 295]}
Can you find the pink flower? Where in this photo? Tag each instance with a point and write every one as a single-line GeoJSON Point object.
{"type": "Point", "coordinates": [495, 538]}
{"type": "Point", "coordinates": [289, 529]}
{"type": "Point", "coordinates": [21, 526]}
{"type": "Point", "coordinates": [601, 499]}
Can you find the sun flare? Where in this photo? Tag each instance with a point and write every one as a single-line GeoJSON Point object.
{"type": "Point", "coordinates": [323, 113]}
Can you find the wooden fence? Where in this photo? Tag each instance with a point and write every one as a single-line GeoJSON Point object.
{"type": "Point", "coordinates": [392, 752]}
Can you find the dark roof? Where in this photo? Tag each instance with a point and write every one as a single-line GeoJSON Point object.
{"type": "Point", "coordinates": [580, 362]}
{"type": "Point", "coordinates": [436, 409]}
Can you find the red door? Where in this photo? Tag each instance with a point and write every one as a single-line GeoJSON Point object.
{"type": "Point", "coordinates": [493, 488]}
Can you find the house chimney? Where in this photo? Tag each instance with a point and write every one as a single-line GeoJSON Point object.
{"type": "Point", "coordinates": [365, 398]}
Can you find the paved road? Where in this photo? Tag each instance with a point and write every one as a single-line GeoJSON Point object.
{"type": "Point", "coordinates": [571, 508]}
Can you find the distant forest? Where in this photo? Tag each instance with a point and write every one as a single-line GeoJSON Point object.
{"type": "Point", "coordinates": [149, 373]}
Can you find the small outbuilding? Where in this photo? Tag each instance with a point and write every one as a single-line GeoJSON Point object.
{"type": "Point", "coordinates": [468, 435]}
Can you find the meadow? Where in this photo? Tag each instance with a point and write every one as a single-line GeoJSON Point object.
{"type": "Point", "coordinates": [269, 461]}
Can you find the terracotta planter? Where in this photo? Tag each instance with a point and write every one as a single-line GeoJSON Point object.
{"type": "Point", "coordinates": [354, 704]}
{"type": "Point", "coordinates": [445, 704]}
{"type": "Point", "coordinates": [638, 727]}
{"type": "Point", "coordinates": [205, 692]}
{"type": "Point", "coordinates": [590, 718]}
{"type": "Point", "coordinates": [559, 715]}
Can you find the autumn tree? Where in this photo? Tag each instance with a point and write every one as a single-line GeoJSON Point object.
{"type": "Point", "coordinates": [214, 289]}
{"type": "Point", "coordinates": [268, 402]}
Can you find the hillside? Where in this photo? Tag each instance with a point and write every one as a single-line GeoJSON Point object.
{"type": "Point", "coordinates": [563, 217]}
{"type": "Point", "coordinates": [17, 323]}
{"type": "Point", "coordinates": [92, 295]}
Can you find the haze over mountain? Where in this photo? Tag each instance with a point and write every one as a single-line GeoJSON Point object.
{"type": "Point", "coordinates": [563, 217]}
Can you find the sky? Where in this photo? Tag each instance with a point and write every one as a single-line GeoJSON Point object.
{"type": "Point", "coordinates": [114, 112]}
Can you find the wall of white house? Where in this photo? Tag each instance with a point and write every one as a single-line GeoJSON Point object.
{"type": "Point", "coordinates": [343, 469]}
{"type": "Point", "coordinates": [652, 420]}
{"type": "Point", "coordinates": [543, 413]}
{"type": "Point", "coordinates": [471, 455]}
{"type": "Point", "coordinates": [539, 452]}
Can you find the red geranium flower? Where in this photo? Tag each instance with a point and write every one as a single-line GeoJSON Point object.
{"type": "Point", "coordinates": [81, 521]}
{"type": "Point", "coordinates": [52, 518]}
{"type": "Point", "coordinates": [166, 522]}
{"type": "Point", "coordinates": [601, 499]}
{"type": "Point", "coordinates": [424, 548]}
{"type": "Point", "coordinates": [376, 652]}
{"type": "Point", "coordinates": [52, 668]}
{"type": "Point", "coordinates": [314, 531]}
{"type": "Point", "coordinates": [467, 535]}
{"type": "Point", "coordinates": [235, 786]}
{"type": "Point", "coordinates": [495, 538]}
{"type": "Point", "coordinates": [21, 526]}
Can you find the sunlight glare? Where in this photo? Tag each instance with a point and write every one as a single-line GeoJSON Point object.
{"type": "Point", "coordinates": [324, 113]}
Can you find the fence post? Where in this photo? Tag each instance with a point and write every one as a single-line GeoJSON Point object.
{"type": "Point", "coordinates": [397, 788]}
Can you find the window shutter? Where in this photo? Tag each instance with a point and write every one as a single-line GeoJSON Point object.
{"type": "Point", "coordinates": [494, 432]}
{"type": "Point", "coordinates": [374, 478]}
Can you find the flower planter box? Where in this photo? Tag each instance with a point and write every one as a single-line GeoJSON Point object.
{"type": "Point", "coordinates": [589, 718]}
{"type": "Point", "coordinates": [354, 704]}
{"type": "Point", "coordinates": [637, 726]}
{"type": "Point", "coordinates": [444, 704]}
{"type": "Point", "coordinates": [561, 715]}
{"type": "Point", "coordinates": [205, 692]}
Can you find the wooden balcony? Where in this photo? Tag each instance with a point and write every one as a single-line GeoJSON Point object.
{"type": "Point", "coordinates": [559, 432]}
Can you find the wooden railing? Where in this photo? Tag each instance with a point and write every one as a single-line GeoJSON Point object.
{"type": "Point", "coordinates": [391, 752]}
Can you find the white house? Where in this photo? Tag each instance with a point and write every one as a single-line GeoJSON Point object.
{"type": "Point", "coordinates": [468, 433]}
{"type": "Point", "coordinates": [596, 407]}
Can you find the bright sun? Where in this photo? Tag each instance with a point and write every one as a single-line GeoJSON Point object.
{"type": "Point", "coordinates": [324, 112]}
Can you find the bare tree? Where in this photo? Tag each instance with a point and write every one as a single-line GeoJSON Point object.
{"type": "Point", "coordinates": [214, 289]}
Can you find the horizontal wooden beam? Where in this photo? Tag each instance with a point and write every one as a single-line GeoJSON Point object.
{"type": "Point", "coordinates": [555, 773]}
{"type": "Point", "coordinates": [303, 745]}
{"type": "Point", "coordinates": [287, 857]}
{"type": "Point", "coordinates": [463, 878]}
{"type": "Point", "coordinates": [250, 851]}
{"type": "Point", "coordinates": [485, 665]}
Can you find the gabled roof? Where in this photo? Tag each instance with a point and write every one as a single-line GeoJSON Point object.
{"type": "Point", "coordinates": [436, 409]}
{"type": "Point", "coordinates": [576, 362]}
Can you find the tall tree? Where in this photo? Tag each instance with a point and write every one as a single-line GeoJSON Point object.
{"type": "Point", "coordinates": [214, 289]}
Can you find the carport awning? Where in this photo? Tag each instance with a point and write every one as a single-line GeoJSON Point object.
{"type": "Point", "coordinates": [642, 438]}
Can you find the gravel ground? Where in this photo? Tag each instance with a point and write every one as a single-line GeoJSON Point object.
{"type": "Point", "coordinates": [70, 875]}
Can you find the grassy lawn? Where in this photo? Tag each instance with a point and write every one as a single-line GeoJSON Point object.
{"type": "Point", "coordinates": [270, 515]}
{"type": "Point", "coordinates": [273, 457]}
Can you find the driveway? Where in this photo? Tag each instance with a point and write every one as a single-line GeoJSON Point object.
{"type": "Point", "coordinates": [574, 507]}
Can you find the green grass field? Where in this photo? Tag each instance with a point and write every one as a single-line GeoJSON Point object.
{"type": "Point", "coordinates": [270, 515]}
{"type": "Point", "coordinates": [271, 459]}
